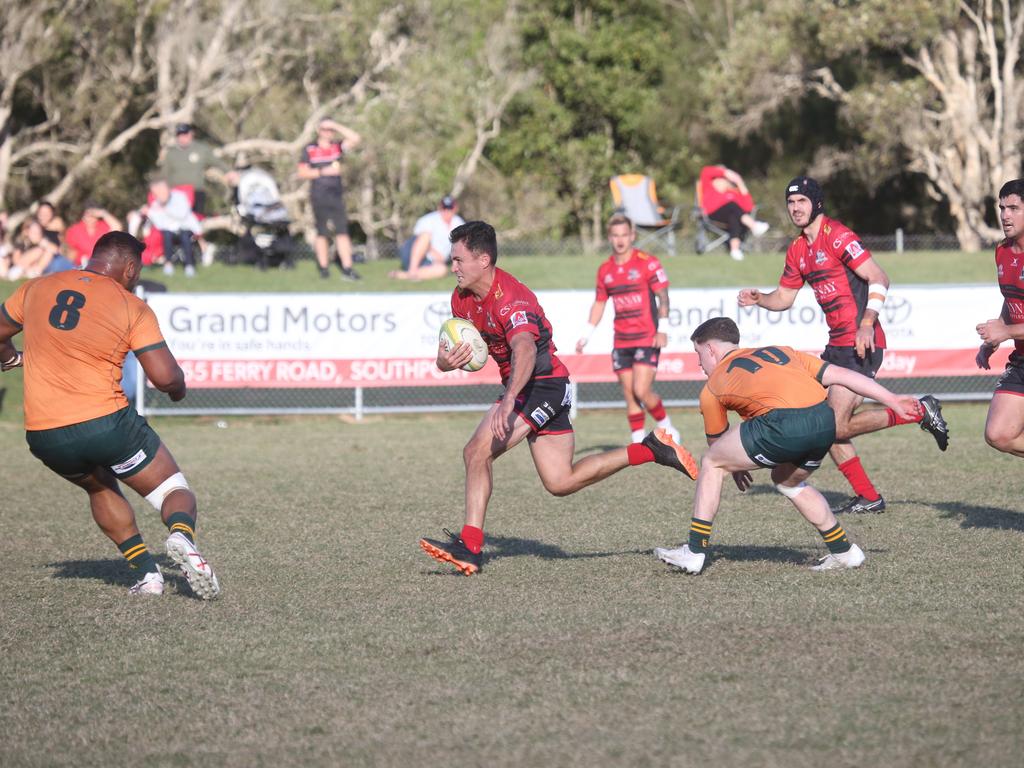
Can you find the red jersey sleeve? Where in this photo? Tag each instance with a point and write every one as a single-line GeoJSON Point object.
{"type": "Point", "coordinates": [601, 290]}
{"type": "Point", "coordinates": [657, 278]}
{"type": "Point", "coordinates": [791, 276]}
{"type": "Point", "coordinates": [848, 248]}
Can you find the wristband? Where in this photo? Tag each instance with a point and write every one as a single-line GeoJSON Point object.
{"type": "Point", "coordinates": [588, 333]}
{"type": "Point", "coordinates": [876, 296]}
{"type": "Point", "coordinates": [662, 322]}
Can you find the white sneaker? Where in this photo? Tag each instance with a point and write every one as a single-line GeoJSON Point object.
{"type": "Point", "coordinates": [208, 254]}
{"type": "Point", "coordinates": [190, 271]}
{"type": "Point", "coordinates": [197, 571]}
{"type": "Point", "coordinates": [150, 584]}
{"type": "Point", "coordinates": [852, 558]}
{"type": "Point", "coordinates": [759, 228]}
{"type": "Point", "coordinates": [737, 254]}
{"type": "Point", "coordinates": [168, 268]}
{"type": "Point", "coordinates": [691, 562]}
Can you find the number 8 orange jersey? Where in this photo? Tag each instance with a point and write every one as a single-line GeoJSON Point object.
{"type": "Point", "coordinates": [77, 328]}
{"type": "Point", "coordinates": [754, 381]}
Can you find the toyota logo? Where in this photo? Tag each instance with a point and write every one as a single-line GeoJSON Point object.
{"type": "Point", "coordinates": [436, 313]}
{"type": "Point", "coordinates": [897, 310]}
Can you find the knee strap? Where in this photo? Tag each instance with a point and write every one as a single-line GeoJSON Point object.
{"type": "Point", "coordinates": [175, 482]}
{"type": "Point", "coordinates": [790, 491]}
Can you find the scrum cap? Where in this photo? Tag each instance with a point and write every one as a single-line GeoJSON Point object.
{"type": "Point", "coordinates": [809, 188]}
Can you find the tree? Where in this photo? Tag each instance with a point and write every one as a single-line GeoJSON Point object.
{"type": "Point", "coordinates": [933, 88]}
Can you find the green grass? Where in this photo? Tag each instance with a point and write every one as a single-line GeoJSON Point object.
{"type": "Point", "coordinates": [553, 272]}
{"type": "Point", "coordinates": [337, 642]}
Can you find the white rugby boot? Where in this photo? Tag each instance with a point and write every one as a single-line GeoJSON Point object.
{"type": "Point", "coordinates": [152, 583]}
{"type": "Point", "coordinates": [197, 571]}
{"type": "Point", "coordinates": [683, 557]}
{"type": "Point", "coordinates": [852, 558]}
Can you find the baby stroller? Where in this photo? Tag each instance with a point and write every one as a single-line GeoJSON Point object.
{"type": "Point", "coordinates": [267, 241]}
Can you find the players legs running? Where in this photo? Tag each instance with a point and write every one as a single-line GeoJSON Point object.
{"type": "Point", "coordinates": [730, 455]}
{"type": "Point", "coordinates": [115, 517]}
{"type": "Point", "coordinates": [552, 444]}
{"type": "Point", "coordinates": [637, 382]}
{"type": "Point", "coordinates": [849, 424]}
{"type": "Point", "coordinates": [1004, 427]}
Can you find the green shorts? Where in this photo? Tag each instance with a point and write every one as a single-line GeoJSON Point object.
{"type": "Point", "coordinates": [122, 441]}
{"type": "Point", "coordinates": [800, 436]}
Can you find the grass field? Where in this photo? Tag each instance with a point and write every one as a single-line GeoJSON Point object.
{"type": "Point", "coordinates": [337, 642]}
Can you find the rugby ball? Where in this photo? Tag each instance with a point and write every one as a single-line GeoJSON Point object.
{"type": "Point", "coordinates": [454, 331]}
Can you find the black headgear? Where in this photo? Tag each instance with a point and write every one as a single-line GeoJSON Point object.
{"type": "Point", "coordinates": [809, 188]}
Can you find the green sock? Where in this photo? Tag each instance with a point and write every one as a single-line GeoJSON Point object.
{"type": "Point", "coordinates": [181, 523]}
{"type": "Point", "coordinates": [836, 540]}
{"type": "Point", "coordinates": [700, 535]}
{"type": "Point", "coordinates": [138, 557]}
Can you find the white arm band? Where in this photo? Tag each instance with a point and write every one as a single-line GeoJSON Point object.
{"type": "Point", "coordinates": [588, 332]}
{"type": "Point", "coordinates": [876, 296]}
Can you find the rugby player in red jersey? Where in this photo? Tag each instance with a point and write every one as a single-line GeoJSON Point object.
{"type": "Point", "coordinates": [1004, 427]}
{"type": "Point", "coordinates": [638, 287]}
{"type": "Point", "coordinates": [536, 401]}
{"type": "Point", "coordinates": [850, 287]}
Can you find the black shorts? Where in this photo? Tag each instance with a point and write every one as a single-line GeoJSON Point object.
{"type": "Point", "coordinates": [627, 357]}
{"type": "Point", "coordinates": [199, 206]}
{"type": "Point", "coordinates": [122, 442]}
{"type": "Point", "coordinates": [544, 404]}
{"type": "Point", "coordinates": [847, 357]}
{"type": "Point", "coordinates": [1012, 379]}
{"type": "Point", "coordinates": [330, 215]}
{"type": "Point", "coordinates": [800, 436]}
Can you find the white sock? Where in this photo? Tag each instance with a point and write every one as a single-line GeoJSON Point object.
{"type": "Point", "coordinates": [638, 436]}
{"type": "Point", "coordinates": [666, 423]}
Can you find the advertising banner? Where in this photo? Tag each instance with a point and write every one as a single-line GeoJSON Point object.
{"type": "Point", "coordinates": [390, 339]}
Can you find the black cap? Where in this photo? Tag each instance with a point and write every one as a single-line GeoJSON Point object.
{"type": "Point", "coordinates": [809, 188]}
{"type": "Point", "coordinates": [448, 202]}
{"type": "Point", "coordinates": [181, 128]}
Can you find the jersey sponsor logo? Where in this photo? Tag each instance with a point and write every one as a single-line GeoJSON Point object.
{"type": "Point", "coordinates": [540, 417]}
{"type": "Point", "coordinates": [498, 293]}
{"type": "Point", "coordinates": [608, 278]}
{"type": "Point", "coordinates": [762, 459]}
{"type": "Point", "coordinates": [803, 264]}
{"type": "Point", "coordinates": [634, 274]}
{"type": "Point", "coordinates": [828, 229]}
{"type": "Point", "coordinates": [661, 276]}
{"type": "Point", "coordinates": [517, 319]}
{"type": "Point", "coordinates": [855, 249]}
{"type": "Point", "coordinates": [823, 290]}
{"type": "Point", "coordinates": [130, 464]}
{"type": "Point", "coordinates": [837, 243]}
{"type": "Point", "coordinates": [505, 310]}
{"type": "Point", "coordinates": [999, 271]}
{"type": "Point", "coordinates": [819, 257]}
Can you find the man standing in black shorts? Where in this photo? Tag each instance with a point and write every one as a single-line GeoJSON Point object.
{"type": "Point", "coordinates": [851, 288]}
{"type": "Point", "coordinates": [535, 404]}
{"type": "Point", "coordinates": [1004, 427]}
{"type": "Point", "coordinates": [320, 164]}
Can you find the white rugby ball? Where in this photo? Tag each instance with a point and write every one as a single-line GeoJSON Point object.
{"type": "Point", "coordinates": [454, 331]}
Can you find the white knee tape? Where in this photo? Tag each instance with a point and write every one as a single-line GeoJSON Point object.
{"type": "Point", "coordinates": [790, 491]}
{"type": "Point", "coordinates": [175, 482]}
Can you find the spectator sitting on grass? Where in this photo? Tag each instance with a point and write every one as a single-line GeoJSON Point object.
{"type": "Point", "coordinates": [52, 224]}
{"type": "Point", "coordinates": [425, 255]}
{"type": "Point", "coordinates": [35, 254]}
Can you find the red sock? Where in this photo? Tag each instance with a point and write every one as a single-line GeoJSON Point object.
{"type": "Point", "coordinates": [858, 478]}
{"type": "Point", "coordinates": [638, 453]}
{"type": "Point", "coordinates": [473, 538]}
{"type": "Point", "coordinates": [658, 411]}
{"type": "Point", "coordinates": [894, 420]}
{"type": "Point", "coordinates": [636, 421]}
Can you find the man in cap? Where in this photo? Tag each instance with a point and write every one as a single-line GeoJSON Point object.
{"type": "Point", "coordinates": [425, 255]}
{"type": "Point", "coordinates": [851, 288]}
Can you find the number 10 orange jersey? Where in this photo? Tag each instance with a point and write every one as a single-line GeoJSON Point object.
{"type": "Point", "coordinates": [78, 327]}
{"type": "Point", "coordinates": [754, 381]}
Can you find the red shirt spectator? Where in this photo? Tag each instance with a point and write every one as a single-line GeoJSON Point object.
{"type": "Point", "coordinates": [714, 194]}
{"type": "Point", "coordinates": [81, 236]}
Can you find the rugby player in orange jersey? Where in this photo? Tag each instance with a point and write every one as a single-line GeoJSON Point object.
{"type": "Point", "coordinates": [78, 326]}
{"type": "Point", "coordinates": [787, 426]}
